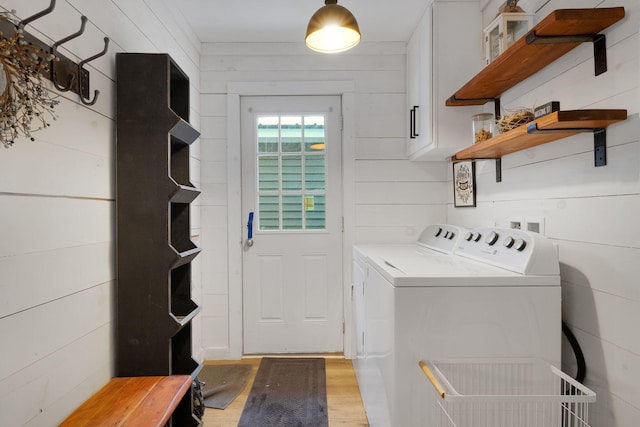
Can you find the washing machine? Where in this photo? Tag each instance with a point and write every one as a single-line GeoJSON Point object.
{"type": "Point", "coordinates": [372, 329]}
{"type": "Point", "coordinates": [435, 241]}
{"type": "Point", "coordinates": [494, 294]}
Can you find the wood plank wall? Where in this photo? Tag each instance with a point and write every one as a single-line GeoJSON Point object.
{"type": "Point", "coordinates": [591, 213]}
{"type": "Point", "coordinates": [57, 229]}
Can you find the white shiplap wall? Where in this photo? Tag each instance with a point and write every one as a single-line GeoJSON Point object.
{"type": "Point", "coordinates": [57, 196]}
{"type": "Point", "coordinates": [394, 198]}
{"type": "Point", "coordinates": [57, 230]}
{"type": "Point", "coordinates": [591, 213]}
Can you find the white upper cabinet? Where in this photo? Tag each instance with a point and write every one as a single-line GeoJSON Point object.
{"type": "Point", "coordinates": [445, 49]}
{"type": "Point", "coordinates": [419, 85]}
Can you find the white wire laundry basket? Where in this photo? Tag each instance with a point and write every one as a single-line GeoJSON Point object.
{"type": "Point", "coordinates": [505, 393]}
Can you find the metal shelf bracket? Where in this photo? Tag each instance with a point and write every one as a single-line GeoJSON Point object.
{"type": "Point", "coordinates": [498, 162]}
{"type": "Point", "coordinates": [599, 140]}
{"type": "Point", "coordinates": [599, 46]}
{"type": "Point", "coordinates": [496, 103]}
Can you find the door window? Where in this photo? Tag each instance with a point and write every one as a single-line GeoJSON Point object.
{"type": "Point", "coordinates": [292, 172]}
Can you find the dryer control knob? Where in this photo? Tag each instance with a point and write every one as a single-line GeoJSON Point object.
{"type": "Point", "coordinates": [450, 236]}
{"type": "Point", "coordinates": [520, 245]}
{"type": "Point", "coordinates": [508, 242]}
{"type": "Point", "coordinates": [438, 232]}
{"type": "Point", "coordinates": [468, 236]}
{"type": "Point", "coordinates": [477, 237]}
{"type": "Point", "coordinates": [492, 238]}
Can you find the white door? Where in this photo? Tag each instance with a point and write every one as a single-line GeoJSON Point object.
{"type": "Point", "coordinates": [292, 185]}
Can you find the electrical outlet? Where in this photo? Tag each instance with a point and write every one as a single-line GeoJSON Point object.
{"type": "Point", "coordinates": [516, 223]}
{"type": "Point", "coordinates": [535, 224]}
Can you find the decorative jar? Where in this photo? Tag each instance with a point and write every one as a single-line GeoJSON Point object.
{"type": "Point", "coordinates": [484, 127]}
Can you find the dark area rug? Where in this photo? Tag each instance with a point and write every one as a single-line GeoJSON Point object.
{"type": "Point", "coordinates": [223, 383]}
{"type": "Point", "coordinates": [287, 392]}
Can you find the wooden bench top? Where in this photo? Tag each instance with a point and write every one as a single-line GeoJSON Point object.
{"type": "Point", "coordinates": [132, 401]}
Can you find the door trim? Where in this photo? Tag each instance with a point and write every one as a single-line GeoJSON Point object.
{"type": "Point", "coordinates": [235, 222]}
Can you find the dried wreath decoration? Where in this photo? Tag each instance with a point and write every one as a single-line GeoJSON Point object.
{"type": "Point", "coordinates": [24, 97]}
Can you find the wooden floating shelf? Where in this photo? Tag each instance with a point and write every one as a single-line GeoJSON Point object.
{"type": "Point", "coordinates": [554, 126]}
{"type": "Point", "coordinates": [526, 57]}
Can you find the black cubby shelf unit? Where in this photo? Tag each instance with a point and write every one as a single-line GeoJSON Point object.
{"type": "Point", "coordinates": [154, 308]}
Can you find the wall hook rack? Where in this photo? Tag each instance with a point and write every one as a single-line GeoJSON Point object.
{"type": "Point", "coordinates": [65, 73]}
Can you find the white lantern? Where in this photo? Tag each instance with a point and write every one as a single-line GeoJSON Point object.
{"type": "Point", "coordinates": [504, 31]}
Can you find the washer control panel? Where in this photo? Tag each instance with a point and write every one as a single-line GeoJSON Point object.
{"type": "Point", "coordinates": [516, 250]}
{"type": "Point", "coordinates": [441, 237]}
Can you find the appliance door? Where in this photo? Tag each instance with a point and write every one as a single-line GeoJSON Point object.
{"type": "Point", "coordinates": [376, 373]}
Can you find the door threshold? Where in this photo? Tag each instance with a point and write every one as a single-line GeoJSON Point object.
{"type": "Point", "coordinates": [296, 355]}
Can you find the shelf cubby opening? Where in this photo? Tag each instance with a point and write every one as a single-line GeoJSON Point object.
{"type": "Point", "coordinates": [180, 227]}
{"type": "Point", "coordinates": [181, 361]}
{"type": "Point", "coordinates": [181, 303]}
{"type": "Point", "coordinates": [178, 91]}
{"type": "Point", "coordinates": [179, 162]}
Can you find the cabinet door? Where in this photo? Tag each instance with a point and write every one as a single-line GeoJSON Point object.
{"type": "Point", "coordinates": [419, 86]}
{"type": "Point", "coordinates": [445, 49]}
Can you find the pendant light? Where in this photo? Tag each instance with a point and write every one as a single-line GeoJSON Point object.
{"type": "Point", "coordinates": [332, 29]}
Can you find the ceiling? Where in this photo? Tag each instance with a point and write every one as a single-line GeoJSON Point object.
{"type": "Point", "coordinates": [286, 20]}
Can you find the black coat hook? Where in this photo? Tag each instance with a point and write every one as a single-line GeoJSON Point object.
{"type": "Point", "coordinates": [81, 74]}
{"type": "Point", "coordinates": [54, 51]}
{"type": "Point", "coordinates": [65, 73]}
{"type": "Point", "coordinates": [38, 15]}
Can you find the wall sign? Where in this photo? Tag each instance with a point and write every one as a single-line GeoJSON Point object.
{"type": "Point", "coordinates": [464, 184]}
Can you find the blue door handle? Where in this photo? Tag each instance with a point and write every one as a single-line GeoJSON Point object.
{"type": "Point", "coordinates": [250, 230]}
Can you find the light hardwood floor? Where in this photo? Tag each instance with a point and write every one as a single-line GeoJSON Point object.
{"type": "Point", "coordinates": [343, 396]}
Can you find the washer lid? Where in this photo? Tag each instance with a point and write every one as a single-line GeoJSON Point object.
{"type": "Point", "coordinates": [450, 270]}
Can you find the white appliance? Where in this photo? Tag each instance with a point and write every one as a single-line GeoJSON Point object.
{"type": "Point", "coordinates": [484, 293]}
{"type": "Point", "coordinates": [437, 240]}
